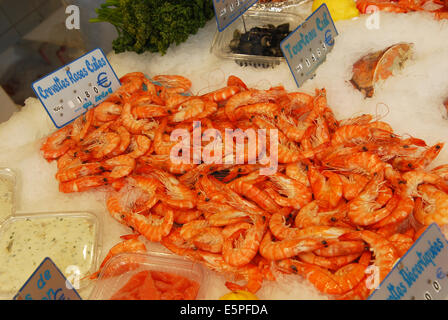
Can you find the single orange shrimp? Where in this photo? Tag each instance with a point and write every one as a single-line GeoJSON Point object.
{"type": "Point", "coordinates": [188, 109]}
{"type": "Point", "coordinates": [340, 282]}
{"type": "Point", "coordinates": [127, 246]}
{"type": "Point", "coordinates": [139, 146]}
{"type": "Point", "coordinates": [107, 111]}
{"type": "Point", "coordinates": [235, 81]}
{"type": "Point", "coordinates": [384, 251]}
{"type": "Point", "coordinates": [289, 247]}
{"type": "Point", "coordinates": [222, 94]}
{"type": "Point", "coordinates": [292, 193]}
{"type": "Point", "coordinates": [341, 248]}
{"type": "Point", "coordinates": [151, 227]}
{"type": "Point", "coordinates": [400, 212]}
{"type": "Point", "coordinates": [329, 190]}
{"type": "Point", "coordinates": [432, 206]}
{"type": "Point", "coordinates": [119, 166]}
{"type": "Point", "coordinates": [176, 194]}
{"type": "Point", "coordinates": [83, 184]}
{"type": "Point", "coordinates": [175, 83]}
{"type": "Point", "coordinates": [331, 263]}
{"type": "Point", "coordinates": [58, 143]}
{"type": "Point", "coordinates": [242, 246]}
{"type": "Point", "coordinates": [74, 172]}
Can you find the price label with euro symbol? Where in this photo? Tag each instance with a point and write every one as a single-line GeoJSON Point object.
{"type": "Point", "coordinates": [77, 87]}
{"type": "Point", "coordinates": [227, 11]}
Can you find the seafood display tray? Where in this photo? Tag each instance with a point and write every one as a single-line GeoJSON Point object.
{"type": "Point", "coordinates": [9, 175]}
{"type": "Point", "coordinates": [95, 246]}
{"type": "Point", "coordinates": [106, 285]}
{"type": "Point", "coordinates": [279, 6]}
{"type": "Point", "coordinates": [252, 18]}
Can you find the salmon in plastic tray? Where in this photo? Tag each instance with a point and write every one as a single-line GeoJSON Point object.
{"type": "Point", "coordinates": [148, 276]}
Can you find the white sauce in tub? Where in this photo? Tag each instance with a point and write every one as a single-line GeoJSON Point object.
{"type": "Point", "coordinates": [68, 241]}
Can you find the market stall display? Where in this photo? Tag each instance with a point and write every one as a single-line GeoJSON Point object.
{"type": "Point", "coordinates": [122, 170]}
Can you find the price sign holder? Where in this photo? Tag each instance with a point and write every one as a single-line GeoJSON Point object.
{"type": "Point", "coordinates": [47, 283]}
{"type": "Point", "coordinates": [421, 274]}
{"type": "Point", "coordinates": [227, 11]}
{"type": "Point", "coordinates": [71, 90]}
{"type": "Point", "coordinates": [306, 48]}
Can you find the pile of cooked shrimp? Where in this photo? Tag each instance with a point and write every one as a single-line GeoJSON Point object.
{"type": "Point", "coordinates": [346, 194]}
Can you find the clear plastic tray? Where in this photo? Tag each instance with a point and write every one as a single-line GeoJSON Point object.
{"type": "Point", "coordinates": [279, 6]}
{"type": "Point", "coordinates": [8, 194]}
{"type": "Point", "coordinates": [108, 285]}
{"type": "Point", "coordinates": [71, 240]}
{"type": "Point", "coordinates": [253, 18]}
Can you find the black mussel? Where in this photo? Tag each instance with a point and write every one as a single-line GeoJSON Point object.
{"type": "Point", "coordinates": [234, 44]}
{"type": "Point", "coordinates": [266, 41]}
{"type": "Point", "coordinates": [236, 34]}
{"type": "Point", "coordinates": [283, 28]}
{"type": "Point", "coordinates": [257, 49]}
{"type": "Point", "coordinates": [270, 26]}
{"type": "Point", "coordinates": [245, 47]}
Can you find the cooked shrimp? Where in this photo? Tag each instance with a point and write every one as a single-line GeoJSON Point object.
{"type": "Point", "coordinates": [329, 191]}
{"type": "Point", "coordinates": [341, 248]}
{"type": "Point", "coordinates": [83, 184]}
{"type": "Point", "coordinates": [340, 282]}
{"type": "Point", "coordinates": [292, 193]}
{"type": "Point", "coordinates": [188, 109]}
{"type": "Point", "coordinates": [331, 263]}
{"type": "Point", "coordinates": [77, 171]}
{"type": "Point", "coordinates": [222, 94]}
{"type": "Point", "coordinates": [107, 111]}
{"type": "Point", "coordinates": [384, 251]}
{"type": "Point", "coordinates": [242, 246]}
{"type": "Point", "coordinates": [151, 227]}
{"type": "Point", "coordinates": [433, 206]}
{"type": "Point", "coordinates": [176, 194]}
{"type": "Point", "coordinates": [119, 166]}
{"type": "Point", "coordinates": [289, 247]}
{"type": "Point", "coordinates": [58, 143]}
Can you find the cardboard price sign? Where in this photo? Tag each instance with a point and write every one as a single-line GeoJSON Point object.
{"type": "Point", "coordinates": [227, 11]}
{"type": "Point", "coordinates": [71, 90]}
{"type": "Point", "coordinates": [47, 283]}
{"type": "Point", "coordinates": [422, 273]}
{"type": "Point", "coordinates": [306, 48]}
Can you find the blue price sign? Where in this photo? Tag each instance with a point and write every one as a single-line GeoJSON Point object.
{"type": "Point", "coordinates": [306, 48]}
{"type": "Point", "coordinates": [71, 90]}
{"type": "Point", "coordinates": [47, 283]}
{"type": "Point", "coordinates": [227, 11]}
{"type": "Point", "coordinates": [421, 274]}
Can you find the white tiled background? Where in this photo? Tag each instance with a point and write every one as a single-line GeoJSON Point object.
{"type": "Point", "coordinates": [18, 17]}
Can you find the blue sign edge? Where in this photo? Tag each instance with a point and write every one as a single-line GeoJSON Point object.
{"type": "Point", "coordinates": [293, 31]}
{"type": "Point", "coordinates": [40, 265]}
{"type": "Point", "coordinates": [432, 225]}
{"type": "Point", "coordinates": [221, 29]}
{"type": "Point", "coordinates": [43, 104]}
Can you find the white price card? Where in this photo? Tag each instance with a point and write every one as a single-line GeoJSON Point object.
{"type": "Point", "coordinates": [227, 11]}
{"type": "Point", "coordinates": [306, 48]}
{"type": "Point", "coordinates": [421, 274]}
{"type": "Point", "coordinates": [71, 90]}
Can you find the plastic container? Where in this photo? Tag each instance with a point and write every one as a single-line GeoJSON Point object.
{"type": "Point", "coordinates": [8, 192]}
{"type": "Point", "coordinates": [70, 239]}
{"type": "Point", "coordinates": [279, 6]}
{"type": "Point", "coordinates": [220, 46]}
{"type": "Point", "coordinates": [125, 265]}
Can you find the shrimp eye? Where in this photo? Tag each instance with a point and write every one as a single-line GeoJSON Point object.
{"type": "Point", "coordinates": [438, 147]}
{"type": "Point", "coordinates": [169, 111]}
{"type": "Point", "coordinates": [402, 182]}
{"type": "Point", "coordinates": [333, 219]}
{"type": "Point", "coordinates": [105, 179]}
{"type": "Point", "coordinates": [294, 268]}
{"type": "Point", "coordinates": [365, 149]}
{"type": "Point", "coordinates": [405, 146]}
{"type": "Point", "coordinates": [324, 242]}
{"type": "Point", "coordinates": [276, 117]}
{"type": "Point", "coordinates": [410, 165]}
{"type": "Point", "coordinates": [207, 199]}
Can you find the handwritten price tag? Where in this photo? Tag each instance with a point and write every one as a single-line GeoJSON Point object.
{"type": "Point", "coordinates": [421, 274]}
{"type": "Point", "coordinates": [71, 90]}
{"type": "Point", "coordinates": [227, 11]}
{"type": "Point", "coordinates": [47, 283]}
{"type": "Point", "coordinates": [306, 48]}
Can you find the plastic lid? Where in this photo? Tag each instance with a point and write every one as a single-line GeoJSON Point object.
{"type": "Point", "coordinates": [119, 269]}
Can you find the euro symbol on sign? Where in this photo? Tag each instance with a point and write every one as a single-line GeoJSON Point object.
{"type": "Point", "coordinates": [103, 81]}
{"type": "Point", "coordinates": [329, 38]}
